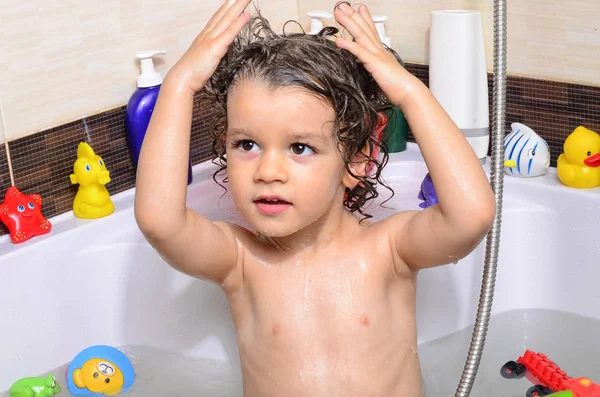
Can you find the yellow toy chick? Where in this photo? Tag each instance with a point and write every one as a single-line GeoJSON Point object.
{"type": "Point", "coordinates": [99, 376]}
{"type": "Point", "coordinates": [579, 165]}
{"type": "Point", "coordinates": [92, 199]}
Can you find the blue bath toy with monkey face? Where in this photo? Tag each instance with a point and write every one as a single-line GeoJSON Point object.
{"type": "Point", "coordinates": [100, 370]}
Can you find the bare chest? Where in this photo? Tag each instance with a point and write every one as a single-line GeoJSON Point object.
{"type": "Point", "coordinates": [316, 302]}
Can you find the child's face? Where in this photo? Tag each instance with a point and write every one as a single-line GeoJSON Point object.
{"type": "Point", "coordinates": [283, 164]}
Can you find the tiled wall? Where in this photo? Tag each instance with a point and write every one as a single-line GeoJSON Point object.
{"type": "Point", "coordinates": [42, 162]}
{"type": "Point", "coordinates": [4, 180]}
{"type": "Point", "coordinates": [552, 109]}
{"type": "Point", "coordinates": [62, 61]}
{"type": "Point", "coordinates": [549, 39]}
{"type": "Point", "coordinates": [58, 79]}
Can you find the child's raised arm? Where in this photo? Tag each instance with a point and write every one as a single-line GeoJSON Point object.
{"type": "Point", "coordinates": [446, 232]}
{"type": "Point", "coordinates": [186, 240]}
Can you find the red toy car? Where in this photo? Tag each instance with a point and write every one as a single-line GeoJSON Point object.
{"type": "Point", "coordinates": [547, 377]}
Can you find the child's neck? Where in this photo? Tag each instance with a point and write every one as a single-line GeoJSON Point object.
{"type": "Point", "coordinates": [317, 236]}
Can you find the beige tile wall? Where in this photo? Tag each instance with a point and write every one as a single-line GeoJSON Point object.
{"type": "Point", "coordinates": [551, 39]}
{"type": "Point", "coordinates": [62, 60]}
{"type": "Point", "coordinates": [2, 135]}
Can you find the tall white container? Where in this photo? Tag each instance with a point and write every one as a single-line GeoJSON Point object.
{"type": "Point", "coordinates": [458, 74]}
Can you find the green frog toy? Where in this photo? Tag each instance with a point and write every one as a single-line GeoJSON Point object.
{"type": "Point", "coordinates": [34, 387]}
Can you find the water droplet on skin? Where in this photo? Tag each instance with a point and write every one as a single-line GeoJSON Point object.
{"type": "Point", "coordinates": [362, 264]}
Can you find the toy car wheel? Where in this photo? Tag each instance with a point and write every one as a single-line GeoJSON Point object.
{"type": "Point", "coordinates": [539, 391]}
{"type": "Point", "coordinates": [513, 370]}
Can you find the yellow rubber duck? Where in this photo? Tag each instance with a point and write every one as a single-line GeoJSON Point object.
{"type": "Point", "coordinates": [579, 165]}
{"type": "Point", "coordinates": [92, 199]}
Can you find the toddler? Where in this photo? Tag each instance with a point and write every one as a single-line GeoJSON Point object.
{"type": "Point", "coordinates": [323, 303]}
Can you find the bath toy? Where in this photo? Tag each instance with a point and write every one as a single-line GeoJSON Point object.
{"type": "Point", "coordinates": [99, 370]}
{"type": "Point", "coordinates": [22, 215]}
{"type": "Point", "coordinates": [92, 199]}
{"type": "Point", "coordinates": [526, 154]}
{"type": "Point", "coordinates": [579, 165]}
{"type": "Point", "coordinates": [427, 193]}
{"type": "Point", "coordinates": [547, 377]}
{"type": "Point", "coordinates": [35, 387]}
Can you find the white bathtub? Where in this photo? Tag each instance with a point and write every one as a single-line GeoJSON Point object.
{"type": "Point", "coordinates": [99, 282]}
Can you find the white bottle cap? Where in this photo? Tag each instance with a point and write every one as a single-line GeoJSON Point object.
{"type": "Point", "coordinates": [315, 23]}
{"type": "Point", "coordinates": [149, 77]}
{"type": "Point", "coordinates": [379, 20]}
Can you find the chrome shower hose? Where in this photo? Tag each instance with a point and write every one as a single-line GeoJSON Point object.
{"type": "Point", "coordinates": [496, 179]}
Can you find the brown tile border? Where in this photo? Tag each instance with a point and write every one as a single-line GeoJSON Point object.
{"type": "Point", "coordinates": [43, 162]}
{"type": "Point", "coordinates": [4, 180]}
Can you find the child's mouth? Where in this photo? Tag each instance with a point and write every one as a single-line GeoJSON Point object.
{"type": "Point", "coordinates": [272, 205]}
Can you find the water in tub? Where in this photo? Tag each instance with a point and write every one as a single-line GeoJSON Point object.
{"type": "Point", "coordinates": [567, 339]}
{"type": "Point", "coordinates": [160, 374]}
{"type": "Point", "coordinates": [570, 340]}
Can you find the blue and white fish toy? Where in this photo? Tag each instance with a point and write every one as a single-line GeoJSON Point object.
{"type": "Point", "coordinates": [526, 154]}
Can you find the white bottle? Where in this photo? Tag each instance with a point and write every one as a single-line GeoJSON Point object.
{"type": "Point", "coordinates": [458, 73]}
{"type": "Point", "coordinates": [149, 76]}
{"type": "Point", "coordinates": [379, 20]}
{"type": "Point", "coordinates": [315, 23]}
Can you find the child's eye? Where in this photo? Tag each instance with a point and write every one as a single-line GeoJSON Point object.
{"type": "Point", "coordinates": [247, 145]}
{"type": "Point", "coordinates": [301, 149]}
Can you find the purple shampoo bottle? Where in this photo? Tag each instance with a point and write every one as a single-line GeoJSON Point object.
{"type": "Point", "coordinates": [141, 104]}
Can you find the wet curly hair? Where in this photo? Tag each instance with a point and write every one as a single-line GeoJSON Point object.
{"type": "Point", "coordinates": [313, 63]}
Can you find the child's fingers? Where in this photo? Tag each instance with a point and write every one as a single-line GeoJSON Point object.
{"type": "Point", "coordinates": [367, 18]}
{"type": "Point", "coordinates": [231, 14]}
{"type": "Point", "coordinates": [364, 19]}
{"type": "Point", "coordinates": [356, 49]}
{"type": "Point", "coordinates": [227, 36]}
{"type": "Point", "coordinates": [344, 15]}
{"type": "Point", "coordinates": [217, 15]}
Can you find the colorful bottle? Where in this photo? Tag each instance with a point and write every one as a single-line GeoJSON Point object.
{"type": "Point", "coordinates": [141, 104]}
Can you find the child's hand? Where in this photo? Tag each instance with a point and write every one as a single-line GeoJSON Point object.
{"type": "Point", "coordinates": [200, 61]}
{"type": "Point", "coordinates": [391, 77]}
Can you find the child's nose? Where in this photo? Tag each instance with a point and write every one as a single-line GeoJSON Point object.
{"type": "Point", "coordinates": [271, 168]}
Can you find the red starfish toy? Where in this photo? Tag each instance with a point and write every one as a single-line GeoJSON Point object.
{"type": "Point", "coordinates": [22, 214]}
